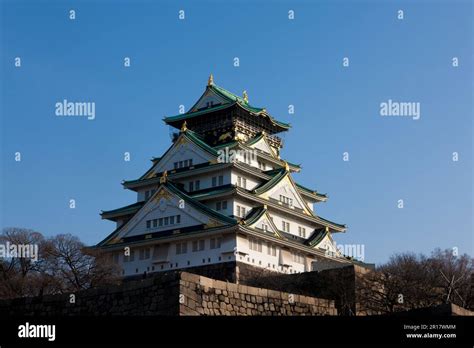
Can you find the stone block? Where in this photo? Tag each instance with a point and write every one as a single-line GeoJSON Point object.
{"type": "Point", "coordinates": [203, 281]}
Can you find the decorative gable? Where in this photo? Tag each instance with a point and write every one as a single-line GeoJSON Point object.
{"type": "Point", "coordinates": [262, 221]}
{"type": "Point", "coordinates": [207, 100]}
{"type": "Point", "coordinates": [165, 211]}
{"type": "Point", "coordinates": [262, 144]}
{"type": "Point", "coordinates": [183, 152]}
{"type": "Point", "coordinates": [285, 192]}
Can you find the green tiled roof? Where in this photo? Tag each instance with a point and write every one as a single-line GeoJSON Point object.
{"type": "Point", "coordinates": [198, 205]}
{"type": "Point", "coordinates": [231, 100]}
{"type": "Point", "coordinates": [188, 115]}
{"type": "Point", "coordinates": [278, 176]}
{"type": "Point", "coordinates": [209, 192]}
{"type": "Point", "coordinates": [317, 236]}
{"type": "Point", "coordinates": [254, 140]}
{"type": "Point", "coordinates": [128, 209]}
{"type": "Point", "coordinates": [314, 192]}
{"type": "Point", "coordinates": [194, 138]}
{"type": "Point", "coordinates": [188, 200]}
{"type": "Point", "coordinates": [254, 215]}
{"type": "Point", "coordinates": [234, 98]}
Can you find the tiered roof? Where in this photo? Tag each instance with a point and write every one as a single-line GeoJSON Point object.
{"type": "Point", "coordinates": [228, 100]}
{"type": "Point", "coordinates": [166, 181]}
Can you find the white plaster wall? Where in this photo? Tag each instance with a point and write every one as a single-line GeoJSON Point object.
{"type": "Point", "coordinates": [210, 256]}
{"type": "Point", "coordinates": [251, 181]}
{"type": "Point", "coordinates": [294, 223]}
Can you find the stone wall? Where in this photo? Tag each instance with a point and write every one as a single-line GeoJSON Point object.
{"type": "Point", "coordinates": [204, 296]}
{"type": "Point", "coordinates": [154, 296]}
{"type": "Point", "coordinates": [339, 284]}
{"type": "Point", "coordinates": [171, 293]}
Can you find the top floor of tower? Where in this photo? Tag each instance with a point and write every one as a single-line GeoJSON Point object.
{"type": "Point", "coordinates": [220, 116]}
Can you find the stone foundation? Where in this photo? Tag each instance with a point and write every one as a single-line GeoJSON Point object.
{"type": "Point", "coordinates": [171, 293]}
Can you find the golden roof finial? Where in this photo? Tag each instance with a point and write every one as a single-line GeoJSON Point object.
{"type": "Point", "coordinates": [164, 177]}
{"type": "Point", "coordinates": [184, 127]}
{"type": "Point", "coordinates": [287, 167]}
{"type": "Point", "coordinates": [246, 97]}
{"type": "Point", "coordinates": [327, 229]}
{"type": "Point", "coordinates": [211, 80]}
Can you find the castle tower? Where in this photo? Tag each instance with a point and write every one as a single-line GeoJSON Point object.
{"type": "Point", "coordinates": [221, 198]}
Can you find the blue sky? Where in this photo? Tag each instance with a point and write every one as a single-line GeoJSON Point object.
{"type": "Point", "coordinates": [282, 62]}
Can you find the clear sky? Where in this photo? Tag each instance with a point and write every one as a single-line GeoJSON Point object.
{"type": "Point", "coordinates": [282, 62]}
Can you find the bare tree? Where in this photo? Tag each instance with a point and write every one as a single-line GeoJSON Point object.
{"type": "Point", "coordinates": [64, 264]}
{"type": "Point", "coordinates": [18, 274]}
{"type": "Point", "coordinates": [408, 281]}
{"type": "Point", "coordinates": [73, 267]}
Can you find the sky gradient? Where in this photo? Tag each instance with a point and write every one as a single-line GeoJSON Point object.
{"type": "Point", "coordinates": [282, 62]}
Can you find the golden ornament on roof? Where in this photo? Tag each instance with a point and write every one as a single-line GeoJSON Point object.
{"type": "Point", "coordinates": [246, 97]}
{"type": "Point", "coordinates": [164, 177]}
{"type": "Point", "coordinates": [184, 127]}
{"type": "Point", "coordinates": [210, 81]}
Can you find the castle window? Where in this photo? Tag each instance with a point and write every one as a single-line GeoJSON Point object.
{"type": "Point", "coordinates": [144, 253]}
{"type": "Point", "coordinates": [148, 224]}
{"type": "Point", "coordinates": [221, 205]}
{"type": "Point", "coordinates": [197, 184]}
{"type": "Point", "coordinates": [190, 162]}
{"type": "Point", "coordinates": [181, 248]}
{"type": "Point", "coordinates": [171, 220]}
{"type": "Point", "coordinates": [167, 220]}
{"type": "Point", "coordinates": [215, 243]}
{"type": "Point", "coordinates": [178, 219]}
{"type": "Point", "coordinates": [285, 226]}
{"type": "Point", "coordinates": [221, 180]}
{"type": "Point", "coordinates": [242, 182]}
{"type": "Point", "coordinates": [255, 245]}
{"type": "Point", "coordinates": [286, 200]}
{"type": "Point", "coordinates": [160, 222]}
{"type": "Point", "coordinates": [191, 186]}
{"type": "Point", "coordinates": [214, 181]}
{"type": "Point", "coordinates": [271, 249]}
{"type": "Point", "coordinates": [155, 222]}
{"type": "Point", "coordinates": [175, 165]}
{"type": "Point", "coordinates": [302, 231]}
{"type": "Point", "coordinates": [198, 245]}
{"type": "Point", "coordinates": [298, 258]}
{"type": "Point", "coordinates": [240, 211]}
